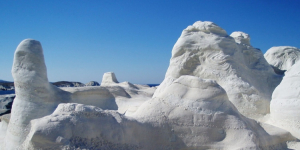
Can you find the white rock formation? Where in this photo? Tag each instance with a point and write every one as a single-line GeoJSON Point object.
{"type": "Point", "coordinates": [282, 58]}
{"type": "Point", "coordinates": [35, 96]}
{"type": "Point", "coordinates": [198, 116]}
{"type": "Point", "coordinates": [285, 104]}
{"type": "Point", "coordinates": [213, 81]}
{"type": "Point", "coordinates": [206, 51]}
{"type": "Point", "coordinates": [109, 78]}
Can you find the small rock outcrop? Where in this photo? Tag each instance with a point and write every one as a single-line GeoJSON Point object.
{"type": "Point", "coordinates": [241, 37]}
{"type": "Point", "coordinates": [92, 83]}
{"type": "Point", "coordinates": [282, 58]}
{"type": "Point", "coordinates": [109, 78]}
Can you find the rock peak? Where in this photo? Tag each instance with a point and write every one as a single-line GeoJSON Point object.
{"type": "Point", "coordinates": [241, 37]}
{"type": "Point", "coordinates": [29, 60]}
{"type": "Point", "coordinates": [206, 27]}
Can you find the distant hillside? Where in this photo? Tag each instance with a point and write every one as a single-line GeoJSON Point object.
{"type": "Point", "coordinates": [3, 81]}
{"type": "Point", "coordinates": [6, 86]}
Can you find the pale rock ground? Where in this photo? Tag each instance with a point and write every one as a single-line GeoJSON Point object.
{"type": "Point", "coordinates": [214, 85]}
{"type": "Point", "coordinates": [124, 96]}
{"type": "Point", "coordinates": [206, 51]}
{"type": "Point", "coordinates": [282, 58]}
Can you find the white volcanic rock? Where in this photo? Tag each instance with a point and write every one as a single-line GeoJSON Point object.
{"type": "Point", "coordinates": [285, 104]}
{"type": "Point", "coordinates": [282, 58]}
{"type": "Point", "coordinates": [109, 78]}
{"type": "Point", "coordinates": [211, 77]}
{"type": "Point", "coordinates": [192, 113]}
{"type": "Point", "coordinates": [206, 51]}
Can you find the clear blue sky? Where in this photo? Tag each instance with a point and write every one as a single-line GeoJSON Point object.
{"type": "Point", "coordinates": [82, 39]}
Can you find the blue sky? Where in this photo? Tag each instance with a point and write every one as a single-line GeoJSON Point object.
{"type": "Point", "coordinates": [82, 39]}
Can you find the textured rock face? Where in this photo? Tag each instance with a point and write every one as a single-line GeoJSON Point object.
{"type": "Point", "coordinates": [205, 50]}
{"type": "Point", "coordinates": [282, 58]}
{"type": "Point", "coordinates": [107, 130]}
{"type": "Point", "coordinates": [109, 78]}
{"type": "Point", "coordinates": [92, 83]}
{"type": "Point", "coordinates": [285, 104]}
